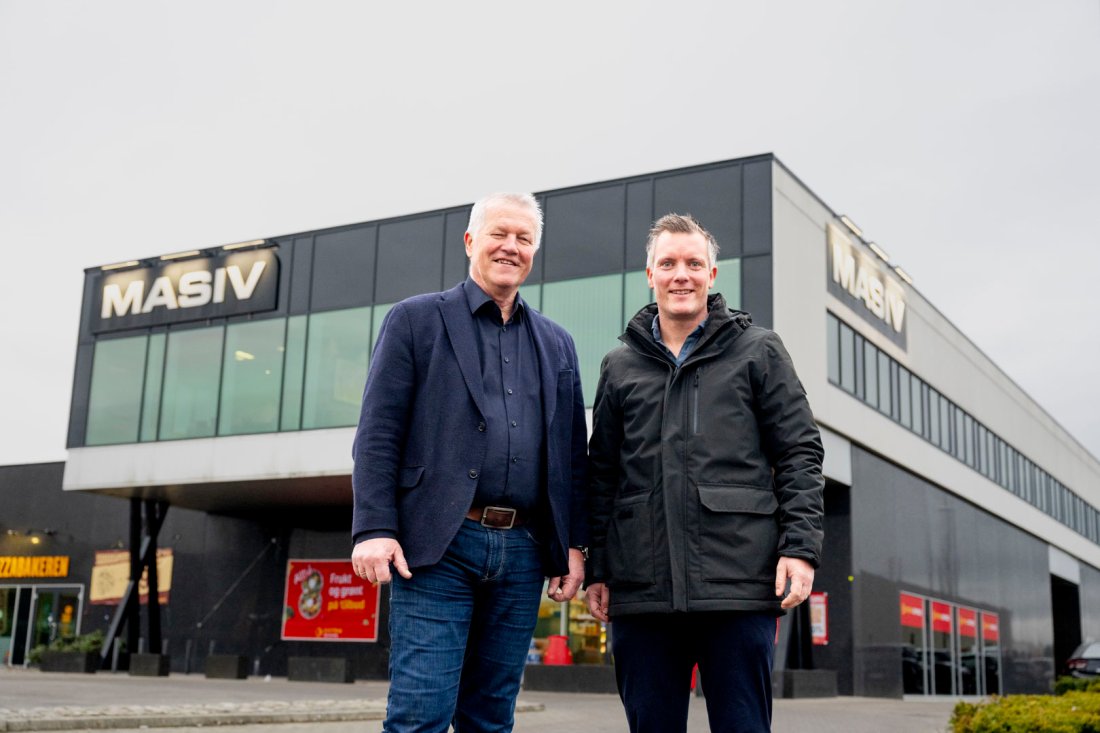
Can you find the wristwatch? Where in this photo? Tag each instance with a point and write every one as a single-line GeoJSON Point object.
{"type": "Point", "coordinates": [583, 549]}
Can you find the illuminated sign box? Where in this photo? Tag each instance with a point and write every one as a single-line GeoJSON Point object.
{"type": "Point", "coordinates": [858, 280]}
{"type": "Point", "coordinates": [178, 291]}
{"type": "Point", "coordinates": [34, 566]}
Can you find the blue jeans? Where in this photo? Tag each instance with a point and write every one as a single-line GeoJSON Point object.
{"type": "Point", "coordinates": [654, 654]}
{"type": "Point", "coordinates": [460, 631]}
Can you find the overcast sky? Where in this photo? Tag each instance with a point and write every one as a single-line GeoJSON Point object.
{"type": "Point", "coordinates": [962, 136]}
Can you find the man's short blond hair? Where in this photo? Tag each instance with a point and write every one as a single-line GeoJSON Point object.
{"type": "Point", "coordinates": [679, 224]}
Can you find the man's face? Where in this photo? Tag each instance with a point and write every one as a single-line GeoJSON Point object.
{"type": "Point", "coordinates": [680, 276]}
{"type": "Point", "coordinates": [501, 252]}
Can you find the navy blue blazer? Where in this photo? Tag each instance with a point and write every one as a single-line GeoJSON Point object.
{"type": "Point", "coordinates": [421, 438]}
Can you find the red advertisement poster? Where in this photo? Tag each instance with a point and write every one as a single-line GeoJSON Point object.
{"type": "Point", "coordinates": [941, 617]}
{"type": "Point", "coordinates": [912, 611]}
{"type": "Point", "coordinates": [968, 623]}
{"type": "Point", "coordinates": [991, 627]}
{"type": "Point", "coordinates": [326, 601]}
{"type": "Point", "coordinates": [819, 618]}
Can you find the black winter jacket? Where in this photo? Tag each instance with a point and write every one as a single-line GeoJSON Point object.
{"type": "Point", "coordinates": [701, 476]}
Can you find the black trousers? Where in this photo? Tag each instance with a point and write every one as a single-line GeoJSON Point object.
{"type": "Point", "coordinates": [654, 656]}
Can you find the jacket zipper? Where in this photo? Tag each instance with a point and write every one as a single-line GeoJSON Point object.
{"type": "Point", "coordinates": [695, 405]}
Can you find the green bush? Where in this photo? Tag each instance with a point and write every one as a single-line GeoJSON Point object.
{"type": "Point", "coordinates": [1073, 712]}
{"type": "Point", "coordinates": [85, 643]}
{"type": "Point", "coordinates": [1076, 684]}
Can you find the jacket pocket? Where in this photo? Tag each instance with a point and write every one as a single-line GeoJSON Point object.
{"type": "Point", "coordinates": [738, 532]}
{"type": "Point", "coordinates": [630, 541]}
{"type": "Point", "coordinates": [409, 476]}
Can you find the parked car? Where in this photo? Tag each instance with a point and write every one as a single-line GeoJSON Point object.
{"type": "Point", "coordinates": [1085, 660]}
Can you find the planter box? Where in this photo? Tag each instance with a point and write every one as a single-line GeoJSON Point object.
{"type": "Point", "coordinates": [150, 665]}
{"type": "Point", "coordinates": [319, 669]}
{"type": "Point", "coordinates": [570, 678]}
{"type": "Point", "coordinates": [226, 667]}
{"type": "Point", "coordinates": [82, 662]}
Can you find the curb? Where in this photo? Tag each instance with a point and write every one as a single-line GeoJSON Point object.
{"type": "Point", "coordinates": [210, 715]}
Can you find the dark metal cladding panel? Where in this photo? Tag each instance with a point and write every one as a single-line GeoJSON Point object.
{"type": "Point", "coordinates": [82, 386]}
{"type": "Point", "coordinates": [455, 262]}
{"type": "Point", "coordinates": [712, 196]}
{"type": "Point", "coordinates": [639, 218]}
{"type": "Point", "coordinates": [757, 221]}
{"type": "Point", "coordinates": [756, 289]}
{"type": "Point", "coordinates": [301, 275]}
{"type": "Point", "coordinates": [343, 269]}
{"type": "Point", "coordinates": [410, 258]}
{"type": "Point", "coordinates": [584, 233]}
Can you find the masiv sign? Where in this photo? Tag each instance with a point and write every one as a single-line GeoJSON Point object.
{"type": "Point", "coordinates": [858, 279]}
{"type": "Point", "coordinates": [187, 290]}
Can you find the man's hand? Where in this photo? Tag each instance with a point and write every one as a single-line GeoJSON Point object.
{"type": "Point", "coordinates": [801, 575]}
{"type": "Point", "coordinates": [563, 588]}
{"type": "Point", "coordinates": [598, 596]}
{"type": "Point", "coordinates": [371, 560]}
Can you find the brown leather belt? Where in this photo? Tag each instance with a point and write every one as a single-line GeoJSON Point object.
{"type": "Point", "coordinates": [497, 517]}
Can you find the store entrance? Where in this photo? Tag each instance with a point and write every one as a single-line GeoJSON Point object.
{"type": "Point", "coordinates": [36, 614]}
{"type": "Point", "coordinates": [948, 649]}
{"type": "Point", "coordinates": [1066, 604]}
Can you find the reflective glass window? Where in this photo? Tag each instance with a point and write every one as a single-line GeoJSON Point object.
{"type": "Point", "coordinates": [859, 366]}
{"type": "Point", "coordinates": [336, 367]}
{"type": "Point", "coordinates": [728, 282]}
{"type": "Point", "coordinates": [933, 416]}
{"type": "Point", "coordinates": [870, 373]}
{"type": "Point", "coordinates": [591, 310]}
{"type": "Point", "coordinates": [917, 392]}
{"type": "Point", "coordinates": [154, 372]}
{"type": "Point", "coordinates": [192, 365]}
{"type": "Point", "coordinates": [378, 317]}
{"type": "Point", "coordinates": [294, 364]}
{"type": "Point", "coordinates": [847, 363]}
{"type": "Point", "coordinates": [832, 347]}
{"type": "Point", "coordinates": [114, 401]}
{"type": "Point", "coordinates": [252, 377]}
{"type": "Point", "coordinates": [884, 401]}
{"type": "Point", "coordinates": [636, 294]}
{"type": "Point", "coordinates": [905, 397]}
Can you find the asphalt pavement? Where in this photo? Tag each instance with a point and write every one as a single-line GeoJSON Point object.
{"type": "Point", "coordinates": [33, 700]}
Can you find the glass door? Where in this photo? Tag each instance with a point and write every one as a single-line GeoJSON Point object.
{"type": "Point", "coordinates": [914, 645]}
{"type": "Point", "coordinates": [49, 613]}
{"type": "Point", "coordinates": [969, 668]}
{"type": "Point", "coordinates": [943, 649]}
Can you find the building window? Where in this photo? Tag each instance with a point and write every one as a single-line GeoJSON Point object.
{"type": "Point", "coordinates": [192, 365]}
{"type": "Point", "coordinates": [294, 365]}
{"type": "Point", "coordinates": [832, 345]}
{"type": "Point", "coordinates": [591, 309]}
{"type": "Point", "coordinates": [858, 367]}
{"type": "Point", "coordinates": [114, 402]}
{"type": "Point", "coordinates": [252, 377]}
{"type": "Point", "coordinates": [154, 373]}
{"type": "Point", "coordinates": [337, 343]}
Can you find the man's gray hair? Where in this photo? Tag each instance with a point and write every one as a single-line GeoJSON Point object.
{"type": "Point", "coordinates": [522, 200]}
{"type": "Point", "coordinates": [679, 224]}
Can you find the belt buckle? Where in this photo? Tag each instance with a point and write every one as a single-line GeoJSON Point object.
{"type": "Point", "coordinates": [499, 522]}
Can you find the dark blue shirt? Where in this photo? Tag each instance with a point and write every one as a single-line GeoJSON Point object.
{"type": "Point", "coordinates": [513, 404]}
{"type": "Point", "coordinates": [689, 342]}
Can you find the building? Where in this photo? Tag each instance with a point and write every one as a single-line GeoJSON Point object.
{"type": "Point", "coordinates": [961, 554]}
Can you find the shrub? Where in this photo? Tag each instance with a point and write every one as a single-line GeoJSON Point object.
{"type": "Point", "coordinates": [1073, 712]}
{"type": "Point", "coordinates": [85, 643]}
{"type": "Point", "coordinates": [1076, 684]}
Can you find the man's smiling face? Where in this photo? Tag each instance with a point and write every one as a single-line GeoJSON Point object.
{"type": "Point", "coordinates": [501, 252]}
{"type": "Point", "coordinates": [681, 276]}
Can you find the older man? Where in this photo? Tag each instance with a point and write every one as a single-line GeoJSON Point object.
{"type": "Point", "coordinates": [706, 495]}
{"type": "Point", "coordinates": [469, 480]}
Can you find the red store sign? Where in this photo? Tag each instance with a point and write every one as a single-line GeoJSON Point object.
{"type": "Point", "coordinates": [326, 601]}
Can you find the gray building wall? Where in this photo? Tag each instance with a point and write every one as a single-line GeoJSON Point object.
{"type": "Point", "coordinates": [909, 535]}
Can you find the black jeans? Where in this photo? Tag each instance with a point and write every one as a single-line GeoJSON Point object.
{"type": "Point", "coordinates": [654, 655]}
